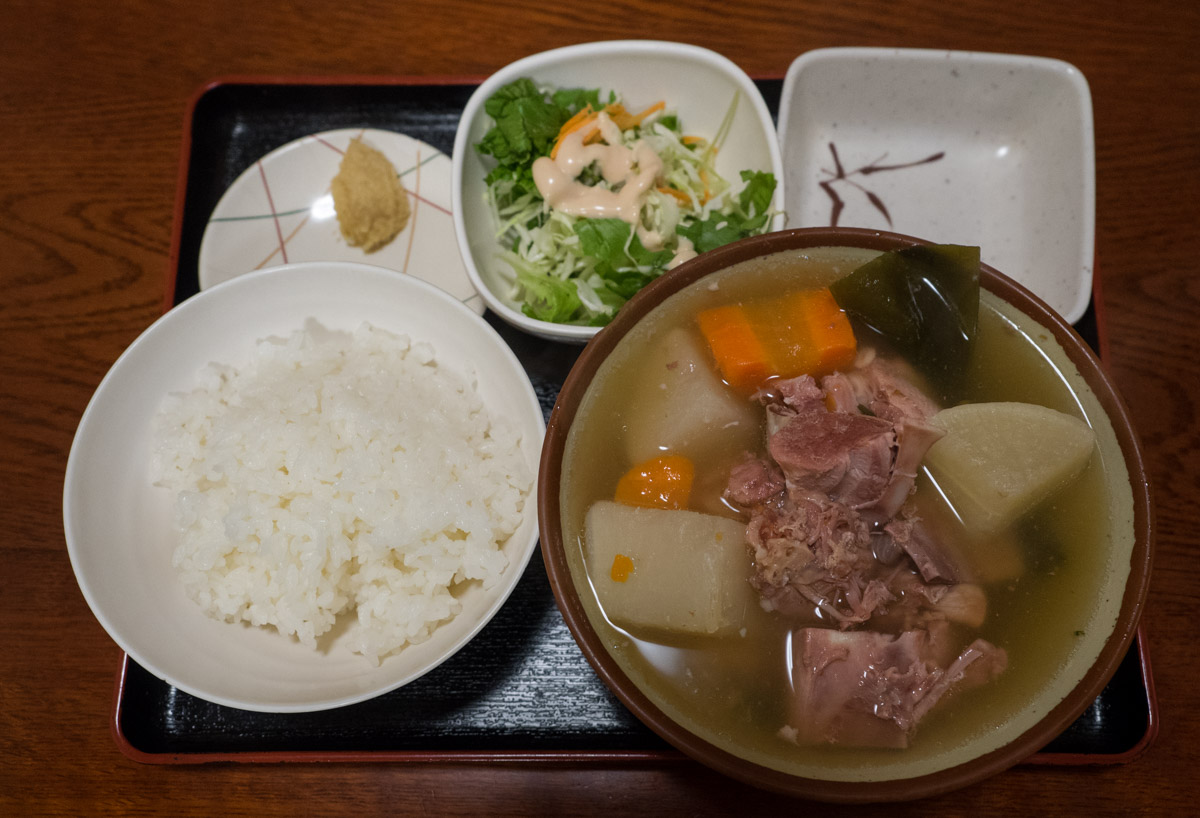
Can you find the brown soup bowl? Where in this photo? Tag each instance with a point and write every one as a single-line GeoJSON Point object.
{"type": "Point", "coordinates": [1053, 702]}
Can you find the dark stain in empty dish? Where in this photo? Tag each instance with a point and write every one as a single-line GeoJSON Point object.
{"type": "Point", "coordinates": [840, 174]}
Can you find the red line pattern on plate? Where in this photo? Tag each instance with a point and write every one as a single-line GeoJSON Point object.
{"type": "Point", "coordinates": [422, 199]}
{"type": "Point", "coordinates": [330, 145]}
{"type": "Point", "coordinates": [416, 207]}
{"type": "Point", "coordinates": [361, 133]}
{"type": "Point", "coordinates": [274, 217]}
{"type": "Point", "coordinates": [286, 239]}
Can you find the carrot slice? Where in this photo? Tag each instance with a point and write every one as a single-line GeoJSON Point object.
{"type": "Point", "coordinates": [796, 334]}
{"type": "Point", "coordinates": [827, 331]}
{"type": "Point", "coordinates": [739, 352]}
{"type": "Point", "coordinates": [661, 482]}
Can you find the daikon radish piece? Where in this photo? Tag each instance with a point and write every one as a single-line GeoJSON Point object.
{"type": "Point", "coordinates": [1000, 460]}
{"type": "Point", "coordinates": [680, 405]}
{"type": "Point", "coordinates": [668, 570]}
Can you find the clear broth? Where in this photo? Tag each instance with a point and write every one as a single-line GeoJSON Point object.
{"type": "Point", "coordinates": [731, 691]}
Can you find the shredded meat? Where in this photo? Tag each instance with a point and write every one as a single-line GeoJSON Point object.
{"type": "Point", "coordinates": [814, 502]}
{"type": "Point", "coordinates": [810, 554]}
{"type": "Point", "coordinates": [835, 545]}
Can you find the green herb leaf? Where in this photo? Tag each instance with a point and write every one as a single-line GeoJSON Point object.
{"type": "Point", "coordinates": [527, 123]}
{"type": "Point", "coordinates": [605, 240]}
{"type": "Point", "coordinates": [746, 218]}
{"type": "Point", "coordinates": [755, 198]}
{"type": "Point", "coordinates": [575, 100]}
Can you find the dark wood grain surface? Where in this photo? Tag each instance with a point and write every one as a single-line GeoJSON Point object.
{"type": "Point", "coordinates": [92, 107]}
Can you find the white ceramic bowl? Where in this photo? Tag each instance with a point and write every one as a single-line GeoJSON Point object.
{"type": "Point", "coordinates": [697, 83]}
{"type": "Point", "coordinates": [118, 525]}
{"type": "Point", "coordinates": [1014, 171]}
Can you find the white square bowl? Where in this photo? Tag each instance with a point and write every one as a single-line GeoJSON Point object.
{"type": "Point", "coordinates": [696, 83]}
{"type": "Point", "coordinates": [993, 150]}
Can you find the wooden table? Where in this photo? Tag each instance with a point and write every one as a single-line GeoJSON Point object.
{"type": "Point", "coordinates": [92, 104]}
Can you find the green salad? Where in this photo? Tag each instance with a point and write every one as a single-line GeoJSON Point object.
{"type": "Point", "coordinates": [594, 201]}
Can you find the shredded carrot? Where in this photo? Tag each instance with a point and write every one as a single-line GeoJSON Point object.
{"type": "Point", "coordinates": [582, 115]}
{"type": "Point", "coordinates": [579, 120]}
{"type": "Point", "coordinates": [707, 190]}
{"type": "Point", "coordinates": [615, 111]}
{"type": "Point", "coordinates": [593, 136]}
{"type": "Point", "coordinates": [683, 198]}
{"type": "Point", "coordinates": [622, 567]}
{"type": "Point", "coordinates": [625, 120]}
{"type": "Point", "coordinates": [796, 334]}
{"type": "Point", "coordinates": [661, 482]}
{"type": "Point", "coordinates": [692, 140]}
{"type": "Point", "coordinates": [740, 354]}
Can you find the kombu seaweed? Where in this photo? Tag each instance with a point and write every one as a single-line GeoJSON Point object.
{"type": "Point", "coordinates": [923, 301]}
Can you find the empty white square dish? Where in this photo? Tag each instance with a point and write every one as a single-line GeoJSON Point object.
{"type": "Point", "coordinates": [994, 150]}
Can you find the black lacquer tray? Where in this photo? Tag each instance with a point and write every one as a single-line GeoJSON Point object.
{"type": "Point", "coordinates": [521, 690]}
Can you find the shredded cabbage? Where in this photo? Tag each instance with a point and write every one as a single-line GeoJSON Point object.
{"type": "Point", "coordinates": [574, 270]}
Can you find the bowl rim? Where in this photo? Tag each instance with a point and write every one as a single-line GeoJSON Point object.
{"type": "Point", "coordinates": [337, 271]}
{"type": "Point", "coordinates": [947, 779]}
{"type": "Point", "coordinates": [556, 56]}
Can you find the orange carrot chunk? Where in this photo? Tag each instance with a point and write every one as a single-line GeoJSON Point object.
{"type": "Point", "coordinates": [740, 354]}
{"type": "Point", "coordinates": [660, 482]}
{"type": "Point", "coordinates": [827, 330]}
{"type": "Point", "coordinates": [622, 567]}
{"type": "Point", "coordinates": [802, 333]}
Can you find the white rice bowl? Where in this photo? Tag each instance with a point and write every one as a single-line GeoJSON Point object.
{"type": "Point", "coordinates": [279, 505]}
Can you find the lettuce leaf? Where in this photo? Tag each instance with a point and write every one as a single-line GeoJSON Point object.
{"type": "Point", "coordinates": [548, 298]}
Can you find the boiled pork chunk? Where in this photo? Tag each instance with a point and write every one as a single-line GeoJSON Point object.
{"type": "Point", "coordinates": [835, 455]}
{"type": "Point", "coordinates": [867, 689]}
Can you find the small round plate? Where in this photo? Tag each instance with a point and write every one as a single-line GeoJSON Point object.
{"type": "Point", "coordinates": [280, 211]}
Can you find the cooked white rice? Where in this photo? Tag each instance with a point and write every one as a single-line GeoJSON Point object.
{"type": "Point", "coordinates": [338, 472]}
